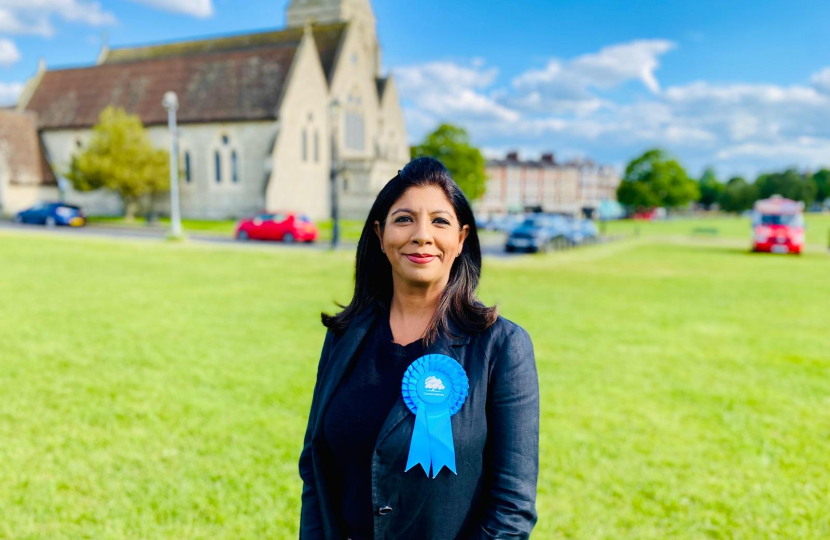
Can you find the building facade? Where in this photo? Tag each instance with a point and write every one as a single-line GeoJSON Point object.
{"type": "Point", "coordinates": [259, 114]}
{"type": "Point", "coordinates": [575, 187]}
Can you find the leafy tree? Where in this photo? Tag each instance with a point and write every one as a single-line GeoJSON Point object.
{"type": "Point", "coordinates": [451, 146]}
{"type": "Point", "coordinates": [789, 184]}
{"type": "Point", "coordinates": [655, 179]}
{"type": "Point", "coordinates": [738, 195]}
{"type": "Point", "coordinates": [710, 188]}
{"type": "Point", "coordinates": [121, 158]}
{"type": "Point", "coordinates": [822, 181]}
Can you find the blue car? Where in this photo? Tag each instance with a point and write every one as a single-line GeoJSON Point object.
{"type": "Point", "coordinates": [52, 214]}
{"type": "Point", "coordinates": [581, 231]}
{"type": "Point", "coordinates": [537, 233]}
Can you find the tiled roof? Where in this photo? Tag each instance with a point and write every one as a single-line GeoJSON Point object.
{"type": "Point", "coordinates": [23, 149]}
{"type": "Point", "coordinates": [223, 79]}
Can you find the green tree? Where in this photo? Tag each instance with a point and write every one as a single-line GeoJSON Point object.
{"type": "Point", "coordinates": [451, 146]}
{"type": "Point", "coordinates": [822, 181]}
{"type": "Point", "coordinates": [738, 195]}
{"type": "Point", "coordinates": [655, 179]}
{"type": "Point", "coordinates": [790, 184]}
{"type": "Point", "coordinates": [121, 158]}
{"type": "Point", "coordinates": [710, 188]}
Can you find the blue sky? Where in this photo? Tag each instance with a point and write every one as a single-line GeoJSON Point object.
{"type": "Point", "coordinates": [742, 86]}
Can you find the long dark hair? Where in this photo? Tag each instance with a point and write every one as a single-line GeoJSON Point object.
{"type": "Point", "coordinates": [373, 272]}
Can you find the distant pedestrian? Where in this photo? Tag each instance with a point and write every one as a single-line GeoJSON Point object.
{"type": "Point", "coordinates": [424, 421]}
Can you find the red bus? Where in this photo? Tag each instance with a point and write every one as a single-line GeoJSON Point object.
{"type": "Point", "coordinates": [778, 225]}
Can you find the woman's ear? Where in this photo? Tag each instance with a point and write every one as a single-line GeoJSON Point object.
{"type": "Point", "coordinates": [465, 231]}
{"type": "Point", "coordinates": [376, 227]}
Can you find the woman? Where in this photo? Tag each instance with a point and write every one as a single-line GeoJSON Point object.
{"type": "Point", "coordinates": [417, 269]}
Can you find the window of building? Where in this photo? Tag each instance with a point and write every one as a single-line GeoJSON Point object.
{"type": "Point", "coordinates": [316, 146]}
{"type": "Point", "coordinates": [218, 165]}
{"type": "Point", "coordinates": [187, 167]}
{"type": "Point", "coordinates": [234, 167]}
{"type": "Point", "coordinates": [225, 140]}
{"type": "Point", "coordinates": [305, 145]}
{"type": "Point", "coordinates": [355, 131]}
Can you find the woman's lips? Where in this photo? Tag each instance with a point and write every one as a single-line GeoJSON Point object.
{"type": "Point", "coordinates": [420, 260]}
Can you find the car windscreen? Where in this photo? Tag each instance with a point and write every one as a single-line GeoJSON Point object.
{"type": "Point", "coordinates": [789, 220]}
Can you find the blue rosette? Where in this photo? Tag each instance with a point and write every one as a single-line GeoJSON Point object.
{"type": "Point", "coordinates": [434, 388]}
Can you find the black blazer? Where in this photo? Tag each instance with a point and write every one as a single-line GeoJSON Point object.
{"type": "Point", "coordinates": [496, 434]}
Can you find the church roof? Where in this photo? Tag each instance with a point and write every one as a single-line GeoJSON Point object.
{"type": "Point", "coordinates": [231, 78]}
{"type": "Point", "coordinates": [23, 149]}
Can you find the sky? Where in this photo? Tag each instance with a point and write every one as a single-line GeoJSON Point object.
{"type": "Point", "coordinates": [740, 86]}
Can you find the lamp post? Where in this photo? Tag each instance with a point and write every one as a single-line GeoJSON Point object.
{"type": "Point", "coordinates": [171, 103]}
{"type": "Point", "coordinates": [334, 109]}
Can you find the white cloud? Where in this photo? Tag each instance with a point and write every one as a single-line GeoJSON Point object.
{"type": "Point", "coordinates": [821, 80]}
{"type": "Point", "coordinates": [8, 52]}
{"type": "Point", "coordinates": [34, 16]}
{"type": "Point", "coordinates": [9, 92]}
{"type": "Point", "coordinates": [196, 8]}
{"type": "Point", "coordinates": [449, 90]}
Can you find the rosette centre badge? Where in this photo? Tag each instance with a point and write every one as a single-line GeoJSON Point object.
{"type": "Point", "coordinates": [434, 388]}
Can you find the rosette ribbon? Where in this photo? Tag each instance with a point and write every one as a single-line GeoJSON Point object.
{"type": "Point", "coordinates": [434, 388]}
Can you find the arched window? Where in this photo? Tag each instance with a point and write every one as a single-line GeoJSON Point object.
{"type": "Point", "coordinates": [217, 165]}
{"type": "Point", "coordinates": [305, 145]}
{"type": "Point", "coordinates": [354, 129]}
{"type": "Point", "coordinates": [234, 167]}
{"type": "Point", "coordinates": [187, 167]}
{"type": "Point", "coordinates": [316, 146]}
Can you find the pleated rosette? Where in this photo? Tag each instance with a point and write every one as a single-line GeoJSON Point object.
{"type": "Point", "coordinates": [434, 388]}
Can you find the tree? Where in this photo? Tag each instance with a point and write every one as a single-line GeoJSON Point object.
{"type": "Point", "coordinates": [789, 184]}
{"type": "Point", "coordinates": [121, 158]}
{"type": "Point", "coordinates": [451, 146]}
{"type": "Point", "coordinates": [821, 179]}
{"type": "Point", "coordinates": [738, 195]}
{"type": "Point", "coordinates": [710, 188]}
{"type": "Point", "coordinates": [655, 179]}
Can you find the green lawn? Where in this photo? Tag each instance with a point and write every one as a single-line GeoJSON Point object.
{"type": "Point", "coordinates": [160, 390]}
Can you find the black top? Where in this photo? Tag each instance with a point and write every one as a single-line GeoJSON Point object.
{"type": "Point", "coordinates": [355, 416]}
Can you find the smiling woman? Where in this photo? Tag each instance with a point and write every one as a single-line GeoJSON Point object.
{"type": "Point", "coordinates": [417, 371]}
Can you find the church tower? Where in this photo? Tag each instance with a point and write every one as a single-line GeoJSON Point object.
{"type": "Point", "coordinates": [357, 12]}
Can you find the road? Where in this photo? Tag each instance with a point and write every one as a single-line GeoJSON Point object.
{"type": "Point", "coordinates": [492, 244]}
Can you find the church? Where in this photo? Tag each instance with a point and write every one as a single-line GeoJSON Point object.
{"type": "Point", "coordinates": [260, 115]}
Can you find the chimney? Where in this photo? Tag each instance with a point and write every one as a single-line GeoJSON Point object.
{"type": "Point", "coordinates": [547, 159]}
{"type": "Point", "coordinates": [513, 156]}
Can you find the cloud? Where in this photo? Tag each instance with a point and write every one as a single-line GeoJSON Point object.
{"type": "Point", "coordinates": [8, 52]}
{"type": "Point", "coordinates": [34, 16]}
{"type": "Point", "coordinates": [821, 80]}
{"type": "Point", "coordinates": [195, 8]}
{"type": "Point", "coordinates": [9, 92]}
{"type": "Point", "coordinates": [449, 90]}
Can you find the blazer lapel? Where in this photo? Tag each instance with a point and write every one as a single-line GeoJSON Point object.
{"type": "Point", "coordinates": [342, 356]}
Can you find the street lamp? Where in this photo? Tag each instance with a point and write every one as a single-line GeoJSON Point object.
{"type": "Point", "coordinates": [334, 109]}
{"type": "Point", "coordinates": [171, 103]}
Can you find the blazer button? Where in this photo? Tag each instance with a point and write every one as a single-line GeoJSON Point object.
{"type": "Point", "coordinates": [383, 510]}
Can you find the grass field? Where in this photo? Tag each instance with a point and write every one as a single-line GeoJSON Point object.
{"type": "Point", "coordinates": [161, 390]}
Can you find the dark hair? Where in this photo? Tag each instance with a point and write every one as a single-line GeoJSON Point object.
{"type": "Point", "coordinates": [373, 272]}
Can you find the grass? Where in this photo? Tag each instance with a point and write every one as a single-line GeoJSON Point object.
{"type": "Point", "coordinates": [160, 390]}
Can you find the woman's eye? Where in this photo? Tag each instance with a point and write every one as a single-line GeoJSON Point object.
{"type": "Point", "coordinates": [439, 220]}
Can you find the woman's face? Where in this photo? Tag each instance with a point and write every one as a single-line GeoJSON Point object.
{"type": "Point", "coordinates": [422, 222]}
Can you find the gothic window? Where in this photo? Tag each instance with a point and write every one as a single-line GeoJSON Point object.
{"type": "Point", "coordinates": [234, 167]}
{"type": "Point", "coordinates": [187, 173]}
{"type": "Point", "coordinates": [305, 145]}
{"type": "Point", "coordinates": [217, 163]}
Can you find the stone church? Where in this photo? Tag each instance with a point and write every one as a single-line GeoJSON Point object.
{"type": "Point", "coordinates": [258, 115]}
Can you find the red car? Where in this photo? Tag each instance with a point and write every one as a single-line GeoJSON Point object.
{"type": "Point", "coordinates": [282, 226]}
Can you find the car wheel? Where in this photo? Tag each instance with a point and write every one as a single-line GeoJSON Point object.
{"type": "Point", "coordinates": [510, 249]}
{"type": "Point", "coordinates": [50, 221]}
{"type": "Point", "coordinates": [242, 235]}
{"type": "Point", "coordinates": [288, 238]}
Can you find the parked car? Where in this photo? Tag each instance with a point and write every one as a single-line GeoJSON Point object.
{"type": "Point", "coordinates": [580, 231]}
{"type": "Point", "coordinates": [505, 223]}
{"type": "Point", "coordinates": [52, 214]}
{"type": "Point", "coordinates": [539, 232]}
{"type": "Point", "coordinates": [281, 226]}
{"type": "Point", "coordinates": [778, 225]}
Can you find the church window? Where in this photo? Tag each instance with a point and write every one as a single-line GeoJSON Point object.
{"type": "Point", "coordinates": [305, 145]}
{"type": "Point", "coordinates": [218, 165]}
{"type": "Point", "coordinates": [316, 146]}
{"type": "Point", "coordinates": [234, 167]}
{"type": "Point", "coordinates": [225, 140]}
{"type": "Point", "coordinates": [355, 134]}
{"type": "Point", "coordinates": [187, 167]}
